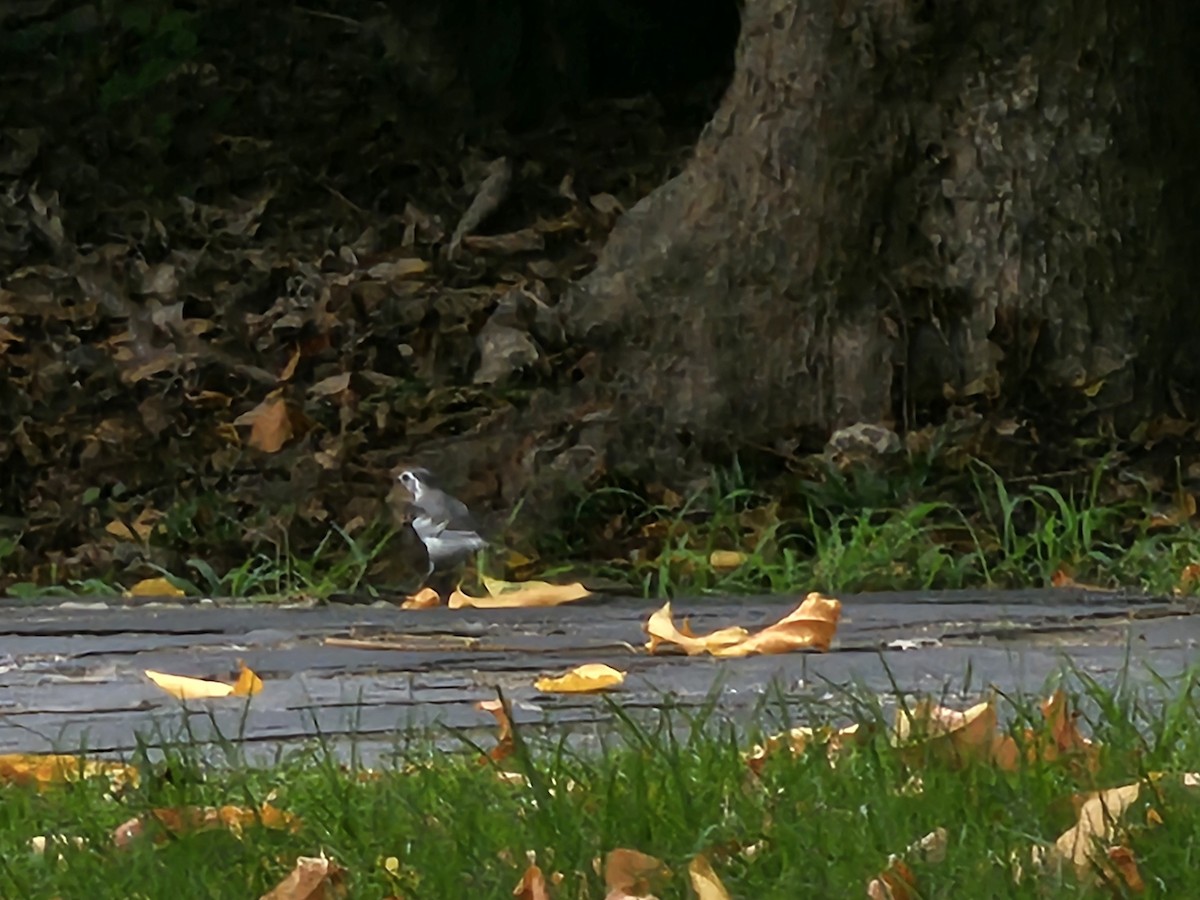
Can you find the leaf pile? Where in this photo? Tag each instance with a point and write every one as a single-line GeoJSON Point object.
{"type": "Point", "coordinates": [248, 267]}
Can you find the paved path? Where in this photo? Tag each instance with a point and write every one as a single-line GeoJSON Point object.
{"type": "Point", "coordinates": [71, 674]}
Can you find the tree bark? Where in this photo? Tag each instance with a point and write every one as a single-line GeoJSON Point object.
{"type": "Point", "coordinates": [899, 203]}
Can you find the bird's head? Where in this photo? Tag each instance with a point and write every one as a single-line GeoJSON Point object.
{"type": "Point", "coordinates": [415, 481]}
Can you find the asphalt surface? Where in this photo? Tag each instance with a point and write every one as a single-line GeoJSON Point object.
{"type": "Point", "coordinates": [71, 674]}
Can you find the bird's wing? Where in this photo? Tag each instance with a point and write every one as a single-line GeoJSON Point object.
{"type": "Point", "coordinates": [458, 517]}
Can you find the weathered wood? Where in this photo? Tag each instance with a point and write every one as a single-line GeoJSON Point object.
{"type": "Point", "coordinates": [71, 675]}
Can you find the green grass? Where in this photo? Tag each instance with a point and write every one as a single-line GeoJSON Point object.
{"type": "Point", "coordinates": [455, 829]}
{"type": "Point", "coordinates": [839, 533]}
{"type": "Point", "coordinates": [843, 535]}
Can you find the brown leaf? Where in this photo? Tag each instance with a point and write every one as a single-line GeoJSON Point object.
{"type": "Point", "coordinates": [532, 885]}
{"type": "Point", "coordinates": [313, 878]}
{"type": "Point", "coordinates": [897, 881]}
{"type": "Point", "coordinates": [1122, 864]}
{"type": "Point", "coordinates": [631, 873]}
{"type": "Point", "coordinates": [504, 742]}
{"type": "Point", "coordinates": [270, 424]}
{"type": "Point", "coordinates": [163, 822]}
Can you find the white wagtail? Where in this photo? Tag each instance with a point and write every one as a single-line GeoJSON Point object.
{"type": "Point", "coordinates": [444, 524]}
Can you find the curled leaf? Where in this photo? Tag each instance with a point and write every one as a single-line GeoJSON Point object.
{"type": "Point", "coordinates": [810, 626]}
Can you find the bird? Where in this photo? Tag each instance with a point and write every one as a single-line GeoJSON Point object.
{"type": "Point", "coordinates": [443, 523]}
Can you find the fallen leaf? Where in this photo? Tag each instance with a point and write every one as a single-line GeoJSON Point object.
{"type": "Point", "coordinates": [897, 881]}
{"type": "Point", "coordinates": [1060, 739]}
{"type": "Point", "coordinates": [163, 822]}
{"type": "Point", "coordinates": [810, 626]}
{"type": "Point", "coordinates": [397, 269]}
{"type": "Point", "coordinates": [1098, 819]}
{"type": "Point", "coordinates": [661, 629]}
{"type": "Point", "coordinates": [631, 873]}
{"type": "Point", "coordinates": [139, 529]}
{"type": "Point", "coordinates": [270, 424]}
{"type": "Point", "coordinates": [46, 769]}
{"type": "Point", "coordinates": [1121, 862]}
{"type": "Point", "coordinates": [705, 882]}
{"type": "Point", "coordinates": [154, 587]}
{"type": "Point", "coordinates": [185, 688]}
{"type": "Point", "coordinates": [334, 384]}
{"type": "Point", "coordinates": [1189, 578]}
{"type": "Point", "coordinates": [504, 742]}
{"type": "Point", "coordinates": [726, 559]}
{"type": "Point", "coordinates": [532, 885]}
{"type": "Point", "coordinates": [1063, 579]}
{"type": "Point", "coordinates": [507, 594]}
{"type": "Point", "coordinates": [1183, 508]}
{"type": "Point", "coordinates": [796, 740]}
{"type": "Point", "coordinates": [313, 878]}
{"type": "Point", "coordinates": [950, 735]}
{"type": "Point", "coordinates": [581, 680]}
{"type": "Point", "coordinates": [425, 598]}
{"type": "Point", "coordinates": [289, 368]}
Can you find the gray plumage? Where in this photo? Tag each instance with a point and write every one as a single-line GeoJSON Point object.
{"type": "Point", "coordinates": [443, 523]}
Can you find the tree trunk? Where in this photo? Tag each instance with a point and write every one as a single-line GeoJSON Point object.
{"type": "Point", "coordinates": [899, 204]}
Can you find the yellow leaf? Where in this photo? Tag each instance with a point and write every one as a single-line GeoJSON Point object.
{"type": "Point", "coordinates": [139, 529]}
{"type": "Point", "coordinates": [581, 680]}
{"type": "Point", "coordinates": [154, 587]}
{"type": "Point", "coordinates": [726, 559]}
{"type": "Point", "coordinates": [705, 882]}
{"type": "Point", "coordinates": [313, 878]}
{"type": "Point", "coordinates": [289, 368]}
{"type": "Point", "coordinates": [45, 769]}
{"type": "Point", "coordinates": [425, 598]}
{"type": "Point", "coordinates": [248, 684]}
{"type": "Point", "coordinates": [184, 688]}
{"type": "Point", "coordinates": [810, 626]}
{"type": "Point", "coordinates": [796, 740]}
{"type": "Point", "coordinates": [661, 629]}
{"type": "Point", "coordinates": [506, 594]}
